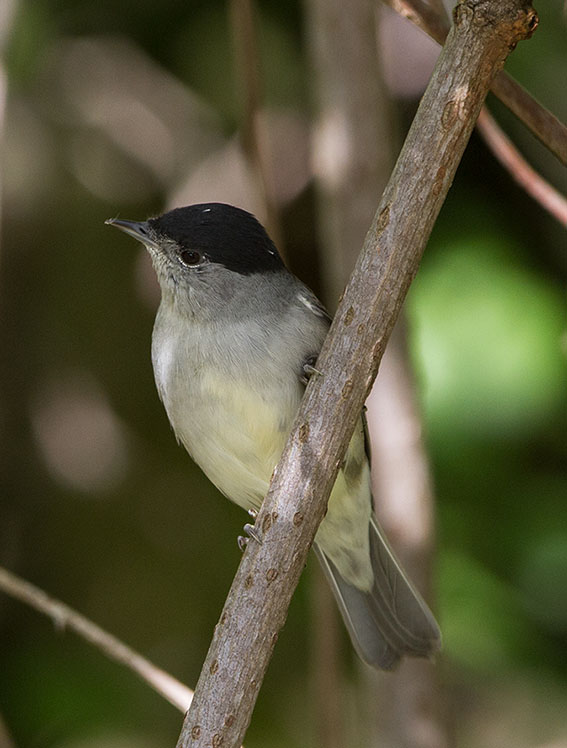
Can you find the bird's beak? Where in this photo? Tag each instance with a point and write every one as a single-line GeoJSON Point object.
{"type": "Point", "coordinates": [138, 229]}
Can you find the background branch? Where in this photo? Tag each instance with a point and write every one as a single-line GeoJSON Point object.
{"type": "Point", "coordinates": [7, 15]}
{"type": "Point", "coordinates": [412, 712]}
{"type": "Point", "coordinates": [353, 105]}
{"type": "Point", "coordinates": [513, 161]}
{"type": "Point", "coordinates": [254, 132]}
{"type": "Point", "coordinates": [352, 132]}
{"type": "Point", "coordinates": [424, 16]}
{"type": "Point", "coordinates": [352, 155]}
{"type": "Point", "coordinates": [65, 617]}
{"type": "Point", "coordinates": [542, 123]}
{"type": "Point", "coordinates": [257, 603]}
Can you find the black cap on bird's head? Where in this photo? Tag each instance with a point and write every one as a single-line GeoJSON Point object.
{"type": "Point", "coordinates": [208, 233]}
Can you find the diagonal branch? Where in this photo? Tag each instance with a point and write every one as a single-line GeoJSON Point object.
{"type": "Point", "coordinates": [257, 603]}
{"type": "Point", "coordinates": [423, 16]}
{"type": "Point", "coordinates": [65, 617]}
{"type": "Point", "coordinates": [542, 123]}
{"type": "Point", "coordinates": [509, 156]}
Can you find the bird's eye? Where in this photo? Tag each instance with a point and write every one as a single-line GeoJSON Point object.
{"type": "Point", "coordinates": [190, 257]}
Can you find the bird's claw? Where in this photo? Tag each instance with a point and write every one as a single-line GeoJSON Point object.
{"type": "Point", "coordinates": [309, 370]}
{"type": "Point", "coordinates": [250, 531]}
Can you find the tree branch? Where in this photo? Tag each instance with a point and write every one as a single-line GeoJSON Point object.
{"type": "Point", "coordinates": [542, 123]}
{"type": "Point", "coordinates": [65, 617]}
{"type": "Point", "coordinates": [423, 16]}
{"type": "Point", "coordinates": [512, 160]}
{"type": "Point", "coordinates": [257, 603]}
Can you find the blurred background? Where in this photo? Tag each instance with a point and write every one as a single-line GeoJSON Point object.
{"type": "Point", "coordinates": [110, 109]}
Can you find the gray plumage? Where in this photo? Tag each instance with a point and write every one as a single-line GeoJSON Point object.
{"type": "Point", "coordinates": [232, 335]}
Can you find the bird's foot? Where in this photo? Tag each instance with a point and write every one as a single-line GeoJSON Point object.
{"type": "Point", "coordinates": [251, 532]}
{"type": "Point", "coordinates": [309, 370]}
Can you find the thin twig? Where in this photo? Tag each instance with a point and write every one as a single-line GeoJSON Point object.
{"type": "Point", "coordinates": [258, 601]}
{"type": "Point", "coordinates": [65, 617]}
{"type": "Point", "coordinates": [547, 127]}
{"type": "Point", "coordinates": [512, 160]}
{"type": "Point", "coordinates": [542, 123]}
{"type": "Point", "coordinates": [423, 16]}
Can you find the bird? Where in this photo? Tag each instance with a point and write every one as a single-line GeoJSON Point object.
{"type": "Point", "coordinates": [235, 339]}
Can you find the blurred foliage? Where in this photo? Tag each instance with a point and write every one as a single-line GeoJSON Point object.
{"type": "Point", "coordinates": [128, 108]}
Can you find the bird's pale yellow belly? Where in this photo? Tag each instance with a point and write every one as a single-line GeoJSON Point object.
{"type": "Point", "coordinates": [241, 442]}
{"type": "Point", "coordinates": [236, 435]}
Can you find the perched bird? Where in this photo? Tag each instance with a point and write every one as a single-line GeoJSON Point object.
{"type": "Point", "coordinates": [234, 340]}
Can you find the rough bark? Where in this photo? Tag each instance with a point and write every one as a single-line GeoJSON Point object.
{"type": "Point", "coordinates": [257, 604]}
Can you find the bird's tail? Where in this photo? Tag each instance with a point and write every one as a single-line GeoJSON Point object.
{"type": "Point", "coordinates": [392, 619]}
